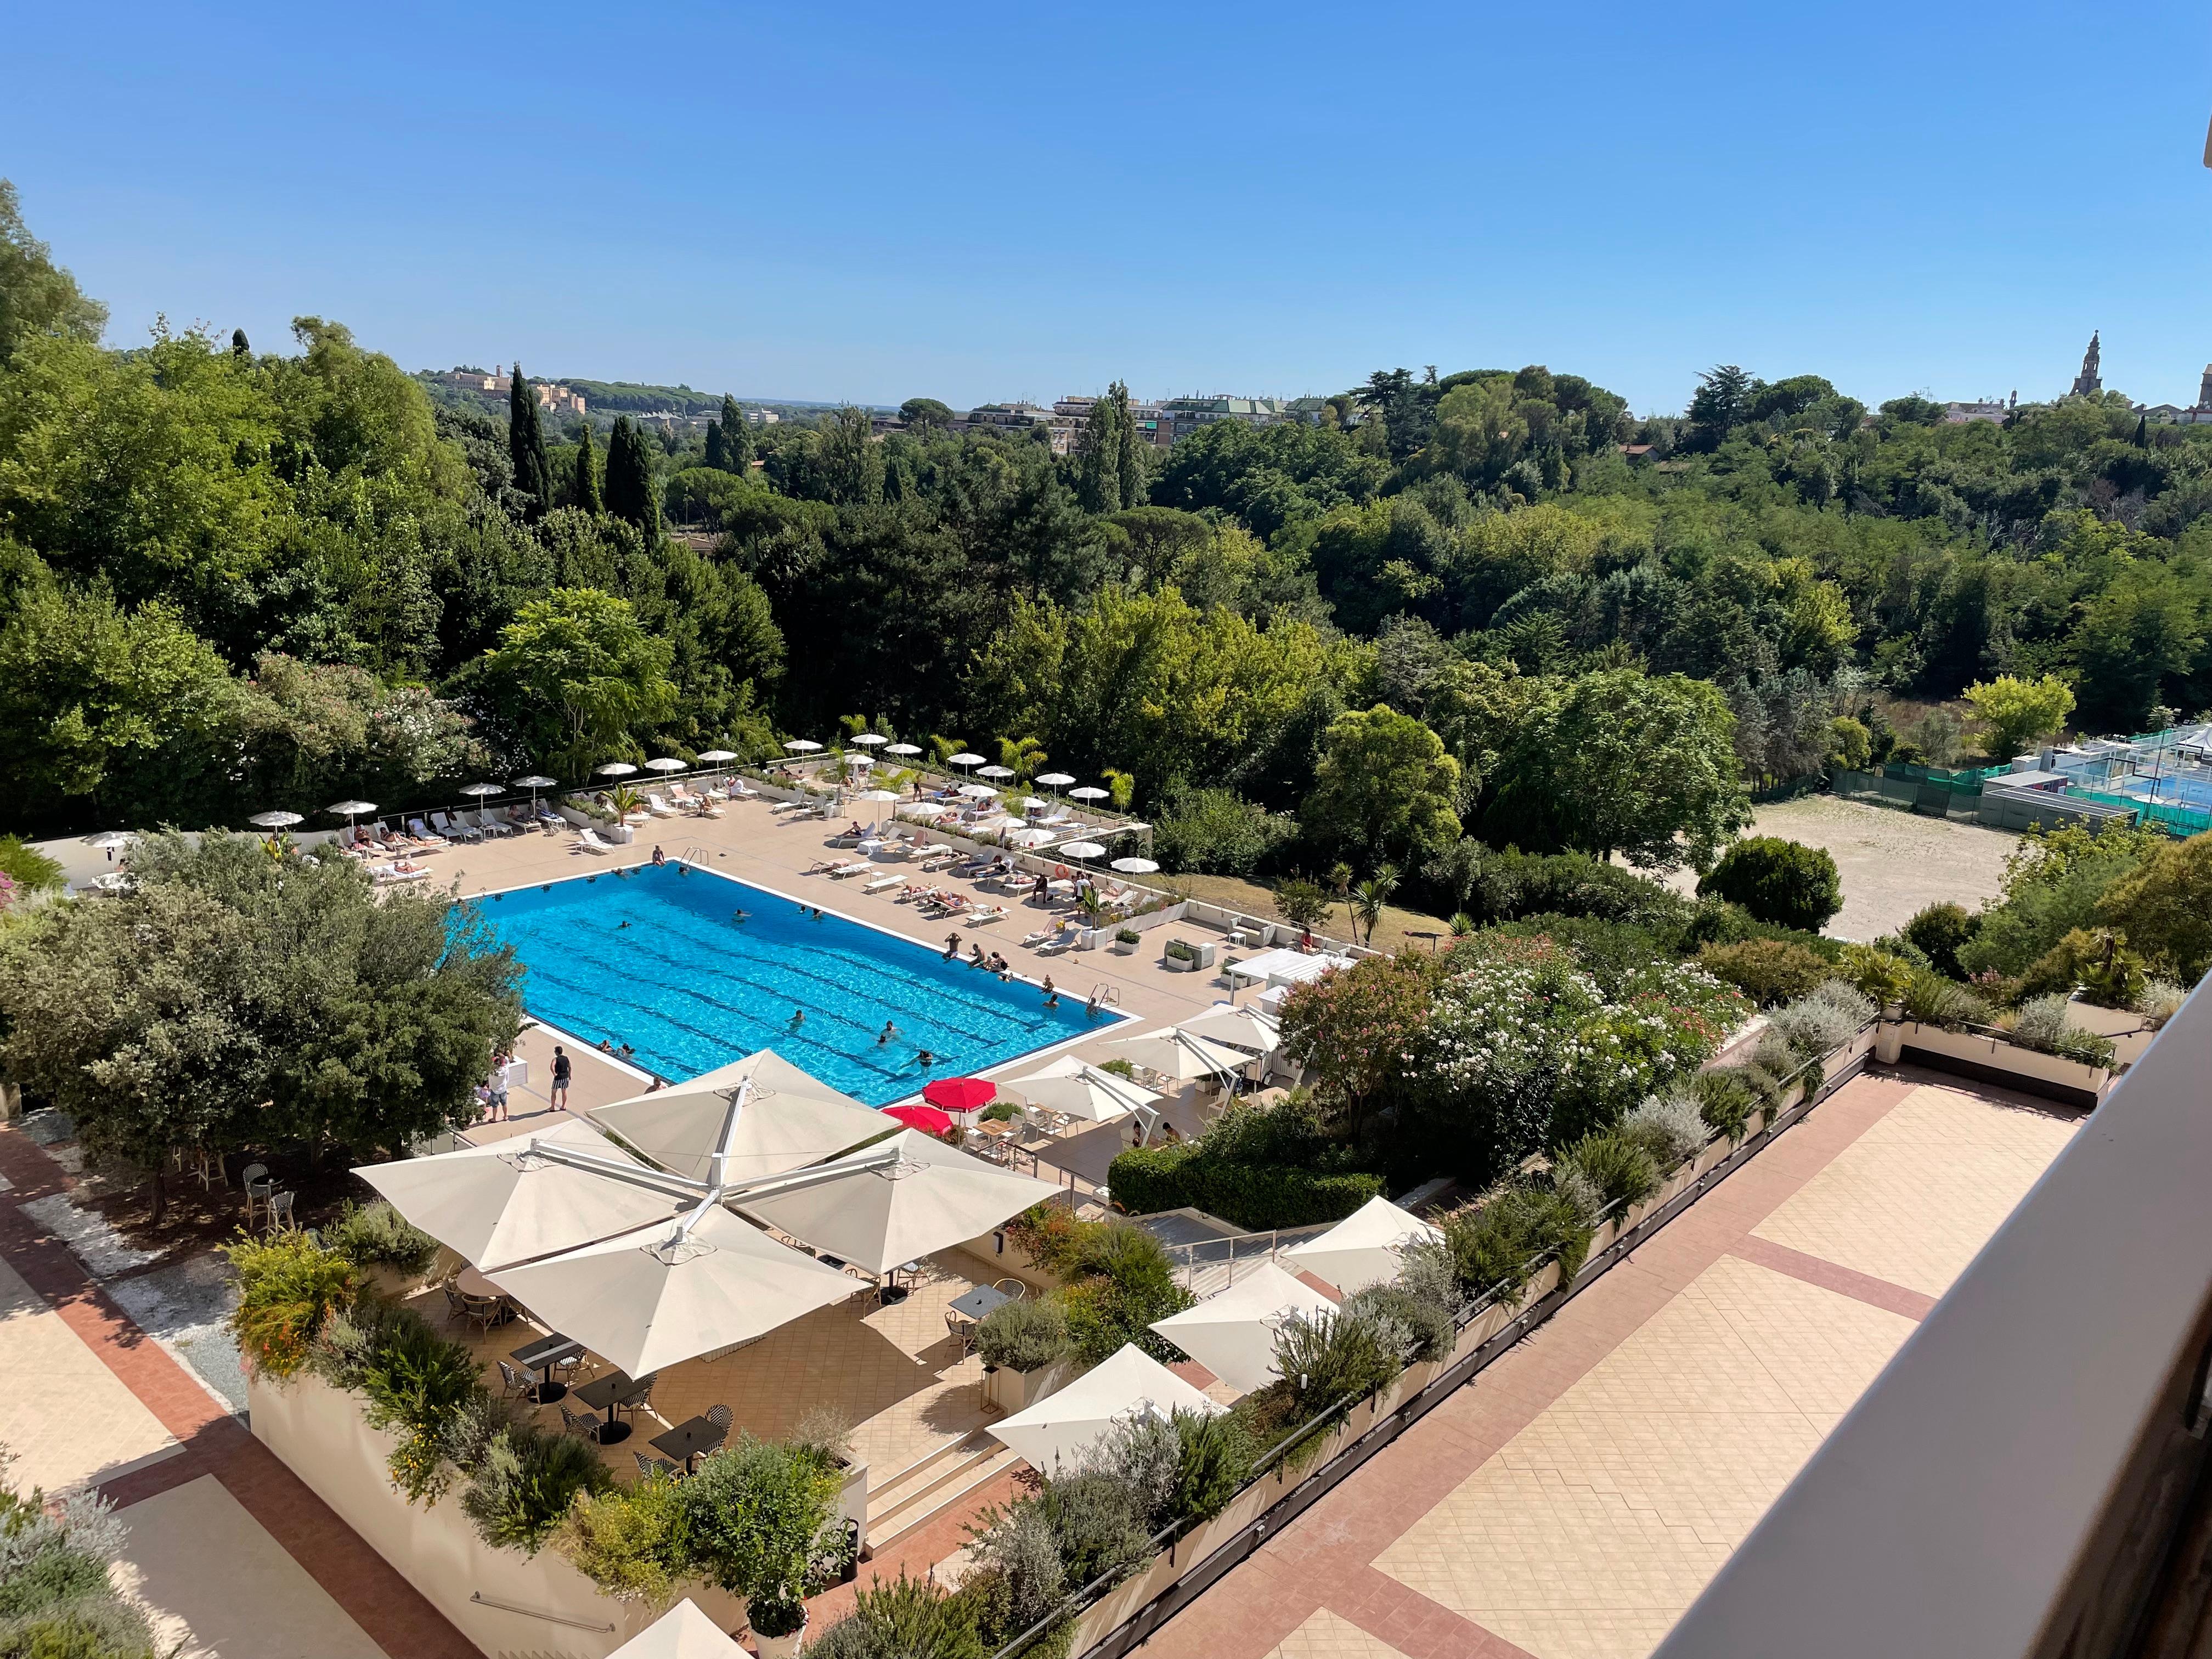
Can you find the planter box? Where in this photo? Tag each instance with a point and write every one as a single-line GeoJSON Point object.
{"type": "Point", "coordinates": [1992, 1059]}
{"type": "Point", "coordinates": [1013, 1391]}
{"type": "Point", "coordinates": [1126, 947]}
{"type": "Point", "coordinates": [503, 1601]}
{"type": "Point", "coordinates": [2130, 1031]}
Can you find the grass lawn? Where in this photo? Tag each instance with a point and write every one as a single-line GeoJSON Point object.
{"type": "Point", "coordinates": [1394, 932]}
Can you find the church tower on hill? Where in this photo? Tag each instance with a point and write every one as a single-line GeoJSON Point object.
{"type": "Point", "coordinates": [2090, 382]}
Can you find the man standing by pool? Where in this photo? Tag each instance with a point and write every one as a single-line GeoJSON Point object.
{"type": "Point", "coordinates": [560, 1078]}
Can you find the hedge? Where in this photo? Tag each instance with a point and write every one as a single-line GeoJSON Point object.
{"type": "Point", "coordinates": [1255, 1196]}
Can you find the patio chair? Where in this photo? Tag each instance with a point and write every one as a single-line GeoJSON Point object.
{"type": "Point", "coordinates": [962, 1329]}
{"type": "Point", "coordinates": [280, 1211]}
{"type": "Point", "coordinates": [257, 1184]}
{"type": "Point", "coordinates": [564, 1370]}
{"type": "Point", "coordinates": [648, 1466]}
{"type": "Point", "coordinates": [639, 1399]}
{"type": "Point", "coordinates": [514, 1383]}
{"type": "Point", "coordinates": [484, 1312]}
{"type": "Point", "coordinates": [1012, 1289]}
{"type": "Point", "coordinates": [720, 1416]}
{"type": "Point", "coordinates": [586, 1424]}
{"type": "Point", "coordinates": [456, 1304]}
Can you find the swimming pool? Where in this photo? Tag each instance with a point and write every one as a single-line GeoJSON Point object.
{"type": "Point", "coordinates": [652, 957]}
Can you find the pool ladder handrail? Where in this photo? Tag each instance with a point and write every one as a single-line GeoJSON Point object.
{"type": "Point", "coordinates": [696, 856]}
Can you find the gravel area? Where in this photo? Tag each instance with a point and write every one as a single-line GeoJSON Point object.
{"type": "Point", "coordinates": [1893, 863]}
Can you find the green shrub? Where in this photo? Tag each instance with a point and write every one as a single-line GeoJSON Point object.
{"type": "Point", "coordinates": [1001, 1111]}
{"type": "Point", "coordinates": [2045, 1024]}
{"type": "Point", "coordinates": [755, 1514]}
{"type": "Point", "coordinates": [1336, 1354]}
{"type": "Point", "coordinates": [288, 1286]}
{"type": "Point", "coordinates": [1422, 1327]}
{"type": "Point", "coordinates": [1931, 999]}
{"type": "Point", "coordinates": [1023, 1335]}
{"type": "Point", "coordinates": [1603, 1170]}
{"type": "Point", "coordinates": [1767, 970]}
{"type": "Point", "coordinates": [1716, 921]}
{"type": "Point", "coordinates": [528, 1482]}
{"type": "Point", "coordinates": [1097, 1523]}
{"type": "Point", "coordinates": [1216, 1459]}
{"type": "Point", "coordinates": [56, 1598]}
{"type": "Point", "coordinates": [1940, 931]}
{"type": "Point", "coordinates": [1508, 886]}
{"type": "Point", "coordinates": [1783, 882]}
{"type": "Point", "coordinates": [1726, 1100]}
{"type": "Point", "coordinates": [2095, 961]}
{"type": "Point", "coordinates": [2160, 1001]}
{"type": "Point", "coordinates": [415, 1382]}
{"type": "Point", "coordinates": [1668, 1126]}
{"type": "Point", "coordinates": [905, 1618]}
{"type": "Point", "coordinates": [632, 1543]}
{"type": "Point", "coordinates": [1497, 1246]}
{"type": "Point", "coordinates": [26, 866]}
{"type": "Point", "coordinates": [1816, 1024]}
{"type": "Point", "coordinates": [1148, 1179]}
{"type": "Point", "coordinates": [1879, 975]}
{"type": "Point", "coordinates": [376, 1235]}
{"type": "Point", "coordinates": [1215, 831]}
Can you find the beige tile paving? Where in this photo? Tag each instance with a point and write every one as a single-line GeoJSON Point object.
{"type": "Point", "coordinates": [1325, 1636]}
{"type": "Point", "coordinates": [219, 1587]}
{"type": "Point", "coordinates": [104, 1431]}
{"type": "Point", "coordinates": [1586, 1535]}
{"type": "Point", "coordinates": [1915, 1196]}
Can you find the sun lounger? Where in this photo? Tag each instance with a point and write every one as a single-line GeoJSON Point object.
{"type": "Point", "coordinates": [1033, 940]}
{"type": "Point", "coordinates": [793, 806]}
{"type": "Point", "coordinates": [384, 874]}
{"type": "Point", "coordinates": [660, 808]}
{"type": "Point", "coordinates": [845, 872]}
{"type": "Point", "coordinates": [883, 884]}
{"type": "Point", "coordinates": [415, 828]}
{"type": "Point", "coordinates": [739, 789]}
{"type": "Point", "coordinates": [983, 913]}
{"type": "Point", "coordinates": [453, 830]}
{"type": "Point", "coordinates": [587, 841]}
{"type": "Point", "coordinates": [1058, 942]}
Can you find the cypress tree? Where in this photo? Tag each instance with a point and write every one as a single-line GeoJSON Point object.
{"type": "Point", "coordinates": [1097, 474]}
{"type": "Point", "coordinates": [525, 445]}
{"type": "Point", "coordinates": [587, 473]}
{"type": "Point", "coordinates": [238, 345]}
{"type": "Point", "coordinates": [717, 456]}
{"type": "Point", "coordinates": [737, 438]}
{"type": "Point", "coordinates": [1126, 464]}
{"type": "Point", "coordinates": [629, 478]}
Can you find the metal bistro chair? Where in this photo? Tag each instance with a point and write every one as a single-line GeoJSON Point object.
{"type": "Point", "coordinates": [255, 1179]}
{"type": "Point", "coordinates": [649, 1467]}
{"type": "Point", "coordinates": [586, 1424]}
{"type": "Point", "coordinates": [720, 1416]}
{"type": "Point", "coordinates": [639, 1398]}
{"type": "Point", "coordinates": [457, 1306]}
{"type": "Point", "coordinates": [280, 1211]}
{"type": "Point", "coordinates": [514, 1383]}
{"type": "Point", "coordinates": [1012, 1289]}
{"type": "Point", "coordinates": [962, 1330]}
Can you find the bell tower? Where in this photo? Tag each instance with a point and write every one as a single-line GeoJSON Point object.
{"type": "Point", "coordinates": [2088, 383]}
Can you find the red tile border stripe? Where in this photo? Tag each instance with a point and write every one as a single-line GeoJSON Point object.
{"type": "Point", "coordinates": [1915, 1305]}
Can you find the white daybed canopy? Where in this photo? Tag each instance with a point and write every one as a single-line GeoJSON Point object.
{"type": "Point", "coordinates": [1232, 1333]}
{"type": "Point", "coordinates": [1283, 966]}
{"type": "Point", "coordinates": [1081, 1090]}
{"type": "Point", "coordinates": [1362, 1249]}
{"type": "Point", "coordinates": [1059, 1431]}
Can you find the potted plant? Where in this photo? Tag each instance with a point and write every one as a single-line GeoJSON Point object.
{"type": "Point", "coordinates": [758, 1513]}
{"type": "Point", "coordinates": [1023, 1344]}
{"type": "Point", "coordinates": [1126, 940]}
{"type": "Point", "coordinates": [779, 1627]}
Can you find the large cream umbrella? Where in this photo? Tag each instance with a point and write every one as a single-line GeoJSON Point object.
{"type": "Point", "coordinates": [926, 1196]}
{"type": "Point", "coordinates": [790, 1119]}
{"type": "Point", "coordinates": [657, 1295]}
{"type": "Point", "coordinates": [1232, 1334]}
{"type": "Point", "coordinates": [1062, 1429]}
{"type": "Point", "coordinates": [1177, 1054]}
{"type": "Point", "coordinates": [1081, 1090]}
{"type": "Point", "coordinates": [1363, 1249]}
{"type": "Point", "coordinates": [682, 1632]}
{"type": "Point", "coordinates": [510, 1201]}
{"type": "Point", "coordinates": [1241, 1028]}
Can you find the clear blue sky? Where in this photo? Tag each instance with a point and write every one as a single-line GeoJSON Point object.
{"type": "Point", "coordinates": [979, 202]}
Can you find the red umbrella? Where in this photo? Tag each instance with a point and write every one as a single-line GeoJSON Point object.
{"type": "Point", "coordinates": [960, 1094]}
{"type": "Point", "coordinates": [927, 1119]}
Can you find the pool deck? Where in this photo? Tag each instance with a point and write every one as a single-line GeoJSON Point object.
{"type": "Point", "coordinates": [774, 853]}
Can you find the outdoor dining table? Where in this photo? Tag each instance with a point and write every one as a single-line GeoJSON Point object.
{"type": "Point", "coordinates": [542, 1356]}
{"type": "Point", "coordinates": [892, 1290]}
{"type": "Point", "coordinates": [605, 1393]}
{"type": "Point", "coordinates": [979, 1301]}
{"type": "Point", "coordinates": [689, 1438]}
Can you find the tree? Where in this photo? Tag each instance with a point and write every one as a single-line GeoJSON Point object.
{"type": "Point", "coordinates": [1385, 789]}
{"type": "Point", "coordinates": [1128, 463]}
{"type": "Point", "coordinates": [924, 415]}
{"type": "Point", "coordinates": [37, 296]}
{"type": "Point", "coordinates": [729, 439]}
{"type": "Point", "coordinates": [1356, 1028]}
{"type": "Point", "coordinates": [240, 346]}
{"type": "Point", "coordinates": [587, 473]}
{"type": "Point", "coordinates": [2165, 907]}
{"type": "Point", "coordinates": [1371, 897]}
{"type": "Point", "coordinates": [2018, 712]}
{"type": "Point", "coordinates": [1098, 458]}
{"type": "Point", "coordinates": [1623, 761]}
{"type": "Point", "coordinates": [525, 445]}
{"type": "Point", "coordinates": [1720, 404]}
{"type": "Point", "coordinates": [852, 461]}
{"type": "Point", "coordinates": [1783, 882]}
{"type": "Point", "coordinates": [578, 674]}
{"type": "Point", "coordinates": [629, 492]}
{"type": "Point", "coordinates": [1303, 902]}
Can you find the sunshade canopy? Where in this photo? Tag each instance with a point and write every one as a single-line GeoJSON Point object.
{"type": "Point", "coordinates": [615, 769]}
{"type": "Point", "coordinates": [1081, 1090]}
{"type": "Point", "coordinates": [274, 820]}
{"type": "Point", "coordinates": [1175, 1052]}
{"type": "Point", "coordinates": [1233, 1334]}
{"type": "Point", "coordinates": [483, 788]}
{"type": "Point", "coordinates": [1285, 966]}
{"type": "Point", "coordinates": [682, 1632]}
{"type": "Point", "coordinates": [1083, 849]}
{"type": "Point", "coordinates": [960, 1094]}
{"type": "Point", "coordinates": [1135, 866]}
{"type": "Point", "coordinates": [935, 1196]}
{"type": "Point", "coordinates": [718, 755]}
{"type": "Point", "coordinates": [664, 763]}
{"type": "Point", "coordinates": [903, 749]}
{"type": "Point", "coordinates": [1362, 1249]}
{"type": "Point", "coordinates": [533, 782]}
{"type": "Point", "coordinates": [646, 1299]}
{"type": "Point", "coordinates": [1055, 780]}
{"type": "Point", "coordinates": [351, 809]}
{"type": "Point", "coordinates": [1090, 791]}
{"type": "Point", "coordinates": [964, 759]}
{"type": "Point", "coordinates": [927, 1119]}
{"type": "Point", "coordinates": [977, 791]}
{"type": "Point", "coordinates": [1061, 1430]}
{"type": "Point", "coordinates": [801, 745]}
{"type": "Point", "coordinates": [790, 1119]}
{"type": "Point", "coordinates": [870, 739]}
{"type": "Point", "coordinates": [500, 1204]}
{"type": "Point", "coordinates": [1241, 1028]}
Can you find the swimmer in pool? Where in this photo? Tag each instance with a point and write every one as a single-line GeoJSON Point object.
{"type": "Point", "coordinates": [797, 1017]}
{"type": "Point", "coordinates": [890, 1030]}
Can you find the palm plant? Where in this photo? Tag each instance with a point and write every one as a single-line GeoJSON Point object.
{"type": "Point", "coordinates": [1024, 756]}
{"type": "Point", "coordinates": [1371, 895]}
{"type": "Point", "coordinates": [1121, 788]}
{"type": "Point", "coordinates": [625, 800]}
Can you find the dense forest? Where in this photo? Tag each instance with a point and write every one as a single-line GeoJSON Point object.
{"type": "Point", "coordinates": [1491, 603]}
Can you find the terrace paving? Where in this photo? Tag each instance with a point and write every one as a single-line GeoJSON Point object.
{"type": "Point", "coordinates": [1575, 1499]}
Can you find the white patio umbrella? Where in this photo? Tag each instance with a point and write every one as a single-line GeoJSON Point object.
{"type": "Point", "coordinates": [933, 1197]}
{"type": "Point", "coordinates": [1240, 1028]}
{"type": "Point", "coordinates": [1081, 1090]}
{"type": "Point", "coordinates": [1363, 1248]}
{"type": "Point", "coordinates": [1055, 780]}
{"type": "Point", "coordinates": [1061, 1430]}
{"type": "Point", "coordinates": [276, 820]}
{"type": "Point", "coordinates": [926, 808]}
{"type": "Point", "coordinates": [995, 772]}
{"type": "Point", "coordinates": [1032, 803]}
{"type": "Point", "coordinates": [1083, 849]}
{"type": "Point", "coordinates": [903, 749]}
{"type": "Point", "coordinates": [1135, 866]}
{"type": "Point", "coordinates": [682, 1632]}
{"type": "Point", "coordinates": [870, 739]}
{"type": "Point", "coordinates": [716, 756]}
{"type": "Point", "coordinates": [790, 1119]}
{"type": "Point", "coordinates": [480, 790]}
{"type": "Point", "coordinates": [649, 1297]}
{"type": "Point", "coordinates": [347, 810]}
{"type": "Point", "coordinates": [877, 796]}
{"type": "Point", "coordinates": [118, 838]}
{"type": "Point", "coordinates": [1175, 1052]}
{"type": "Point", "coordinates": [504, 1203]}
{"type": "Point", "coordinates": [664, 763]}
{"type": "Point", "coordinates": [977, 791]}
{"type": "Point", "coordinates": [1029, 836]}
{"type": "Point", "coordinates": [963, 758]}
{"type": "Point", "coordinates": [1232, 1333]}
{"type": "Point", "coordinates": [533, 783]}
{"type": "Point", "coordinates": [1089, 792]}
{"type": "Point", "coordinates": [615, 769]}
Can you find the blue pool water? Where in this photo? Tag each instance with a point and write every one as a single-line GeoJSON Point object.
{"type": "Point", "coordinates": [652, 958]}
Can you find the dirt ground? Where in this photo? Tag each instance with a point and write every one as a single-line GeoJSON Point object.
{"type": "Point", "coordinates": [1893, 863]}
{"type": "Point", "coordinates": [1398, 928]}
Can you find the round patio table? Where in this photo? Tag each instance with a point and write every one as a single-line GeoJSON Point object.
{"type": "Point", "coordinates": [470, 1282]}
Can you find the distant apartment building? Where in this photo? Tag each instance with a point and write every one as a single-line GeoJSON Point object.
{"type": "Point", "coordinates": [1959, 414]}
{"type": "Point", "coordinates": [560, 399]}
{"type": "Point", "coordinates": [762, 417]}
{"type": "Point", "coordinates": [1072, 413]}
